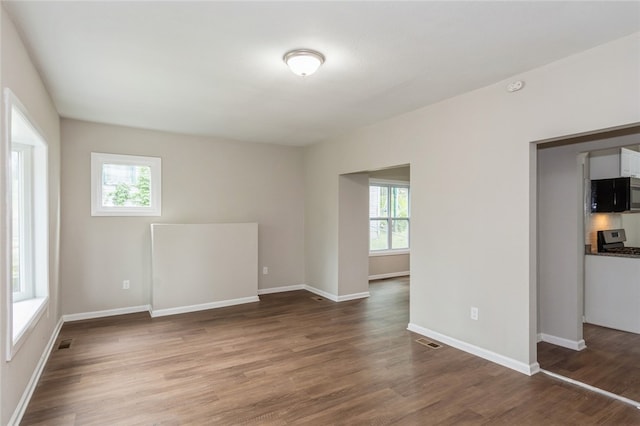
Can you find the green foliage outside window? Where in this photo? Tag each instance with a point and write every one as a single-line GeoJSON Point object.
{"type": "Point", "coordinates": [138, 194]}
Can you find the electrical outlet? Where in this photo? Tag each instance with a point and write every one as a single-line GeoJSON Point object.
{"type": "Point", "coordinates": [265, 270]}
{"type": "Point", "coordinates": [474, 313]}
{"type": "Point", "coordinates": [125, 285]}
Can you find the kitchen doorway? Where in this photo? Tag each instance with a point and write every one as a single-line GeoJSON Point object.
{"type": "Point", "coordinates": [566, 234]}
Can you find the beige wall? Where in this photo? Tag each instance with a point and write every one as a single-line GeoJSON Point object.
{"type": "Point", "coordinates": [204, 180]}
{"type": "Point", "coordinates": [19, 75]}
{"type": "Point", "coordinates": [203, 266]}
{"type": "Point", "coordinates": [353, 227]}
{"type": "Point", "coordinates": [382, 266]}
{"type": "Point", "coordinates": [467, 154]}
{"type": "Point", "coordinates": [402, 173]}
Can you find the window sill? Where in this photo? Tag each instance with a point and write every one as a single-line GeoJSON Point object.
{"type": "Point", "coordinates": [26, 314]}
{"type": "Point", "coordinates": [388, 253]}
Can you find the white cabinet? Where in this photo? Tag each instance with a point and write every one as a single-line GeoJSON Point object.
{"type": "Point", "coordinates": [612, 292]}
{"type": "Point", "coordinates": [613, 163]}
{"type": "Point", "coordinates": [629, 163]}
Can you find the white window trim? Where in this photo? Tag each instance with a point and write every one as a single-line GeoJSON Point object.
{"type": "Point", "coordinates": [98, 159]}
{"type": "Point", "coordinates": [390, 251]}
{"type": "Point", "coordinates": [29, 310]}
{"type": "Point", "coordinates": [396, 252]}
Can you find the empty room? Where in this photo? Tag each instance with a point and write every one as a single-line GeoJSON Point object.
{"type": "Point", "coordinates": [220, 212]}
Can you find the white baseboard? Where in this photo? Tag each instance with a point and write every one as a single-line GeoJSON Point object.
{"type": "Point", "coordinates": [353, 296]}
{"type": "Point", "coordinates": [16, 418]}
{"type": "Point", "coordinates": [389, 275]}
{"type": "Point", "coordinates": [317, 291]}
{"type": "Point", "coordinates": [106, 313]}
{"type": "Point", "coordinates": [202, 306]}
{"type": "Point", "coordinates": [528, 369]}
{"type": "Point", "coordinates": [335, 298]}
{"type": "Point", "coordinates": [281, 289]}
{"type": "Point", "coordinates": [565, 343]}
{"type": "Point", "coordinates": [321, 293]}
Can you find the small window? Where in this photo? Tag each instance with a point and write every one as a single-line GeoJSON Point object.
{"type": "Point", "coordinates": [125, 185]}
{"type": "Point", "coordinates": [388, 217]}
{"type": "Point", "coordinates": [29, 223]}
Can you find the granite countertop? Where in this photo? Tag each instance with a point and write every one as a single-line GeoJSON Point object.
{"type": "Point", "coordinates": [632, 256]}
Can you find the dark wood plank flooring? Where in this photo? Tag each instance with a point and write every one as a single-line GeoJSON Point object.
{"type": "Point", "coordinates": [611, 360]}
{"type": "Point", "coordinates": [290, 359]}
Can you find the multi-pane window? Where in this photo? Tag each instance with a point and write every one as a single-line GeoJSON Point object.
{"type": "Point", "coordinates": [388, 216]}
{"type": "Point", "coordinates": [29, 222]}
{"type": "Point", "coordinates": [125, 185]}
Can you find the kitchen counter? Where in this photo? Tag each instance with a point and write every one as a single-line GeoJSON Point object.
{"type": "Point", "coordinates": [632, 256]}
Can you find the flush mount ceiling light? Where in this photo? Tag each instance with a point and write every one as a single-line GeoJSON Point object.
{"type": "Point", "coordinates": [303, 62]}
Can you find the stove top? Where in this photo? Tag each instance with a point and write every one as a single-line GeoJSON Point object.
{"type": "Point", "coordinates": [623, 250]}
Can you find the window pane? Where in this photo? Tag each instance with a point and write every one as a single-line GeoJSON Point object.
{"type": "Point", "coordinates": [378, 235]}
{"type": "Point", "coordinates": [17, 213]}
{"type": "Point", "coordinates": [399, 202]}
{"type": "Point", "coordinates": [126, 185]}
{"type": "Point", "coordinates": [378, 196]}
{"type": "Point", "coordinates": [400, 234]}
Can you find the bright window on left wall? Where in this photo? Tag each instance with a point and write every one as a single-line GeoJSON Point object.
{"type": "Point", "coordinates": [125, 185]}
{"type": "Point", "coordinates": [28, 254]}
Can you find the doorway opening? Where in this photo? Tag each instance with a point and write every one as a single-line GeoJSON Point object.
{"type": "Point", "coordinates": [373, 229]}
{"type": "Point", "coordinates": [573, 342]}
{"type": "Point", "coordinates": [389, 223]}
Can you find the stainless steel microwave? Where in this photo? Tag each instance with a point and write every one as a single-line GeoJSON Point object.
{"type": "Point", "coordinates": [615, 195]}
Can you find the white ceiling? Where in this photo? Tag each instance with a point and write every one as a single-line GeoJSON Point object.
{"type": "Point", "coordinates": [215, 68]}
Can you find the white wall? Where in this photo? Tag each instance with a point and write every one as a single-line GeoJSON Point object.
{"type": "Point", "coordinates": [19, 74]}
{"type": "Point", "coordinates": [472, 154]}
{"type": "Point", "coordinates": [204, 180]}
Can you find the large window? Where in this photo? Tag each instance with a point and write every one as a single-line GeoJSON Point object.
{"type": "Point", "coordinates": [388, 216]}
{"type": "Point", "coordinates": [28, 254]}
{"type": "Point", "coordinates": [125, 185]}
{"type": "Point", "coordinates": [21, 221]}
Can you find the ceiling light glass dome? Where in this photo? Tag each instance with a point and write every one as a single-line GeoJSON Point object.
{"type": "Point", "coordinates": [303, 62]}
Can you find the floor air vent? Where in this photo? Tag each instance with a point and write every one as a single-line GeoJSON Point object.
{"type": "Point", "coordinates": [65, 344]}
{"type": "Point", "coordinates": [317, 298]}
{"type": "Point", "coordinates": [428, 343]}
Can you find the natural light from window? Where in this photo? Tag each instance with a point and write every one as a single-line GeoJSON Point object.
{"type": "Point", "coordinates": [125, 185]}
{"type": "Point", "coordinates": [29, 274]}
{"type": "Point", "coordinates": [388, 216]}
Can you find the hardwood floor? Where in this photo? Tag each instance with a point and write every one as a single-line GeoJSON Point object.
{"type": "Point", "coordinates": [611, 360]}
{"type": "Point", "coordinates": [291, 359]}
